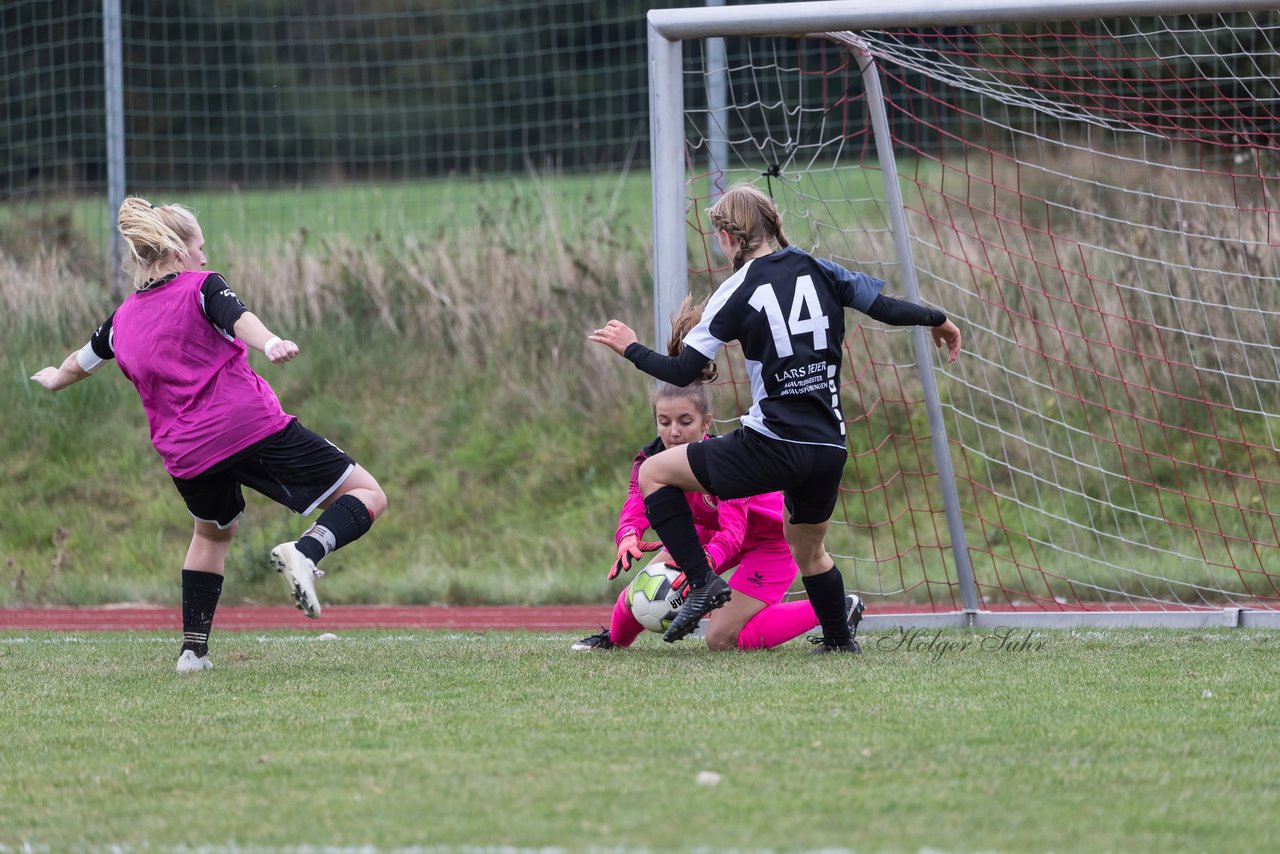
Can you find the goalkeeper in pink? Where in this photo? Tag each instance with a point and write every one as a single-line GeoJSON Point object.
{"type": "Point", "coordinates": [743, 533]}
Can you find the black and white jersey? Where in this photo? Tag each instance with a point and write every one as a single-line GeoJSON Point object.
{"type": "Point", "coordinates": [787, 311]}
{"type": "Point", "coordinates": [218, 302]}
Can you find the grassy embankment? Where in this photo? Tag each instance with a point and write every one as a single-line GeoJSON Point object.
{"type": "Point", "coordinates": [451, 361]}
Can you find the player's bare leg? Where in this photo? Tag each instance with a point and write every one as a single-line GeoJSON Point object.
{"type": "Point", "coordinates": [201, 588]}
{"type": "Point", "coordinates": [725, 624]}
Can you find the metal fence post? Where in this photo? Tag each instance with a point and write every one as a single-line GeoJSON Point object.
{"type": "Point", "coordinates": [113, 67]}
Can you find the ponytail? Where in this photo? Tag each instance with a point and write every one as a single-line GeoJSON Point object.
{"type": "Point", "coordinates": [156, 237]}
{"type": "Point", "coordinates": [687, 316]}
{"type": "Point", "coordinates": [750, 217]}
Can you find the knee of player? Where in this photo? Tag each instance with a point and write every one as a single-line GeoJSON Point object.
{"type": "Point", "coordinates": [210, 532]}
{"type": "Point", "coordinates": [722, 639]}
{"type": "Point", "coordinates": [645, 479]}
{"type": "Point", "coordinates": [377, 502]}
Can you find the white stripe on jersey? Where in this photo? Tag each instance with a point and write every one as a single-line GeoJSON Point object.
{"type": "Point", "coordinates": [700, 337]}
{"type": "Point", "coordinates": [754, 417]}
{"type": "Point", "coordinates": [205, 312]}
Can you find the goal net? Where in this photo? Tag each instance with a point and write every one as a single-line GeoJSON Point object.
{"type": "Point", "coordinates": [1096, 204]}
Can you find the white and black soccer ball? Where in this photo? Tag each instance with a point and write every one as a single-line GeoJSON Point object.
{"type": "Point", "coordinates": [652, 601]}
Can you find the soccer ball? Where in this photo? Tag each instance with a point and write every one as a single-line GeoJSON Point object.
{"type": "Point", "coordinates": [652, 601]}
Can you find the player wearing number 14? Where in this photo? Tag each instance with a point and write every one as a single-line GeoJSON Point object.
{"type": "Point", "coordinates": [786, 309]}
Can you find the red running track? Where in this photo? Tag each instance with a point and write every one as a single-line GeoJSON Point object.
{"type": "Point", "coordinates": [259, 617]}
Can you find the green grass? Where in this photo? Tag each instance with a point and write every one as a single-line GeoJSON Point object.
{"type": "Point", "coordinates": [257, 220]}
{"type": "Point", "coordinates": [485, 507]}
{"type": "Point", "coordinates": [1095, 741]}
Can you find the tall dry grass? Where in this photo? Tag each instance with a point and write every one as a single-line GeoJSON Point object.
{"type": "Point", "coordinates": [1121, 385]}
{"type": "Point", "coordinates": [513, 301]}
{"type": "Point", "coordinates": [1113, 264]}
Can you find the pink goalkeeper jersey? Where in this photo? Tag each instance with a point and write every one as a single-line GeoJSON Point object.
{"type": "Point", "coordinates": [726, 527]}
{"type": "Point", "coordinates": [203, 401]}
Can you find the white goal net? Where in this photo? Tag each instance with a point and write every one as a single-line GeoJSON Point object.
{"type": "Point", "coordinates": [1096, 203]}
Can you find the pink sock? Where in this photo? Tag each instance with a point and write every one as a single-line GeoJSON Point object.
{"type": "Point", "coordinates": [777, 624]}
{"type": "Point", "coordinates": [624, 628]}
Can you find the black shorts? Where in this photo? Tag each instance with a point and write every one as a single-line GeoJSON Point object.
{"type": "Point", "coordinates": [745, 463]}
{"type": "Point", "coordinates": [295, 467]}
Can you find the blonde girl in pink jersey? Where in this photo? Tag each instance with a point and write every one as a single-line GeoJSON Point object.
{"type": "Point", "coordinates": [182, 338]}
{"type": "Point", "coordinates": [743, 533]}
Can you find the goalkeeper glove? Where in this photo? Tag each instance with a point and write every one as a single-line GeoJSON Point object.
{"type": "Point", "coordinates": [631, 548]}
{"type": "Point", "coordinates": [680, 579]}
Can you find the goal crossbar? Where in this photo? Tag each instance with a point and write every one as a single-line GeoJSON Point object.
{"type": "Point", "coordinates": [670, 29]}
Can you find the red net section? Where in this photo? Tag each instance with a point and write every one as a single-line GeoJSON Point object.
{"type": "Point", "coordinates": [1096, 205]}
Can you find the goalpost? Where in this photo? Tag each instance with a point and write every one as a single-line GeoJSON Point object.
{"type": "Point", "coordinates": [1091, 190]}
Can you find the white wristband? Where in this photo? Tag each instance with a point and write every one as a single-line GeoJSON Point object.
{"type": "Point", "coordinates": [271, 342]}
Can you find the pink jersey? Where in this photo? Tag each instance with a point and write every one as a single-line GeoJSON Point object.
{"type": "Point", "coordinates": [727, 528]}
{"type": "Point", "coordinates": [203, 401]}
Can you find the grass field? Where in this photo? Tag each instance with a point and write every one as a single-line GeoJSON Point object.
{"type": "Point", "coordinates": [1064, 741]}
{"type": "Point", "coordinates": [255, 220]}
{"type": "Point", "coordinates": [258, 220]}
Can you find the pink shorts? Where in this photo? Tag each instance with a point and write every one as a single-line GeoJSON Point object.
{"type": "Point", "coordinates": [766, 571]}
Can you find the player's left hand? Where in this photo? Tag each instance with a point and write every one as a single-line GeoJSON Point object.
{"type": "Point", "coordinates": [615, 335]}
{"type": "Point", "coordinates": [281, 351]}
{"type": "Point", "coordinates": [47, 377]}
{"type": "Point", "coordinates": [630, 549]}
{"type": "Point", "coordinates": [948, 333]}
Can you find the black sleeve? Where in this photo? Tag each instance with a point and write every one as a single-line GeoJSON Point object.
{"type": "Point", "coordinates": [677, 370]}
{"type": "Point", "coordinates": [100, 341]}
{"type": "Point", "coordinates": [221, 305]}
{"type": "Point", "coordinates": [897, 312]}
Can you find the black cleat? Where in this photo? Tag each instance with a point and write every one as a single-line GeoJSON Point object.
{"type": "Point", "coordinates": [854, 606]}
{"type": "Point", "coordinates": [600, 640]}
{"type": "Point", "coordinates": [700, 602]}
{"type": "Point", "coordinates": [825, 646]}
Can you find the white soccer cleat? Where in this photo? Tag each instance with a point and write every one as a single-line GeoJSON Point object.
{"type": "Point", "coordinates": [300, 575]}
{"type": "Point", "coordinates": [189, 662]}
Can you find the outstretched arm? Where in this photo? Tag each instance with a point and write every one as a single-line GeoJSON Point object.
{"type": "Point", "coordinates": [896, 312]}
{"type": "Point", "coordinates": [677, 370]}
{"type": "Point", "coordinates": [252, 331]}
{"type": "Point", "coordinates": [56, 379]}
{"type": "Point", "coordinates": [615, 335]}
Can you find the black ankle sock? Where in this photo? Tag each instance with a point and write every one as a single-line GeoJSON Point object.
{"type": "Point", "coordinates": [670, 516]}
{"type": "Point", "coordinates": [826, 594]}
{"type": "Point", "coordinates": [200, 593]}
{"type": "Point", "coordinates": [311, 546]}
{"type": "Point", "coordinates": [342, 522]}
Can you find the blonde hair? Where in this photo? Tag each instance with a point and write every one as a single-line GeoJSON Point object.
{"type": "Point", "coordinates": [156, 235]}
{"type": "Point", "coordinates": [750, 217]}
{"type": "Point", "coordinates": [685, 318]}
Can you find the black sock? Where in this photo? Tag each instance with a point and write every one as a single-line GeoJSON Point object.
{"type": "Point", "coordinates": [200, 593]}
{"type": "Point", "coordinates": [670, 516]}
{"type": "Point", "coordinates": [826, 595]}
{"type": "Point", "coordinates": [342, 522]}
